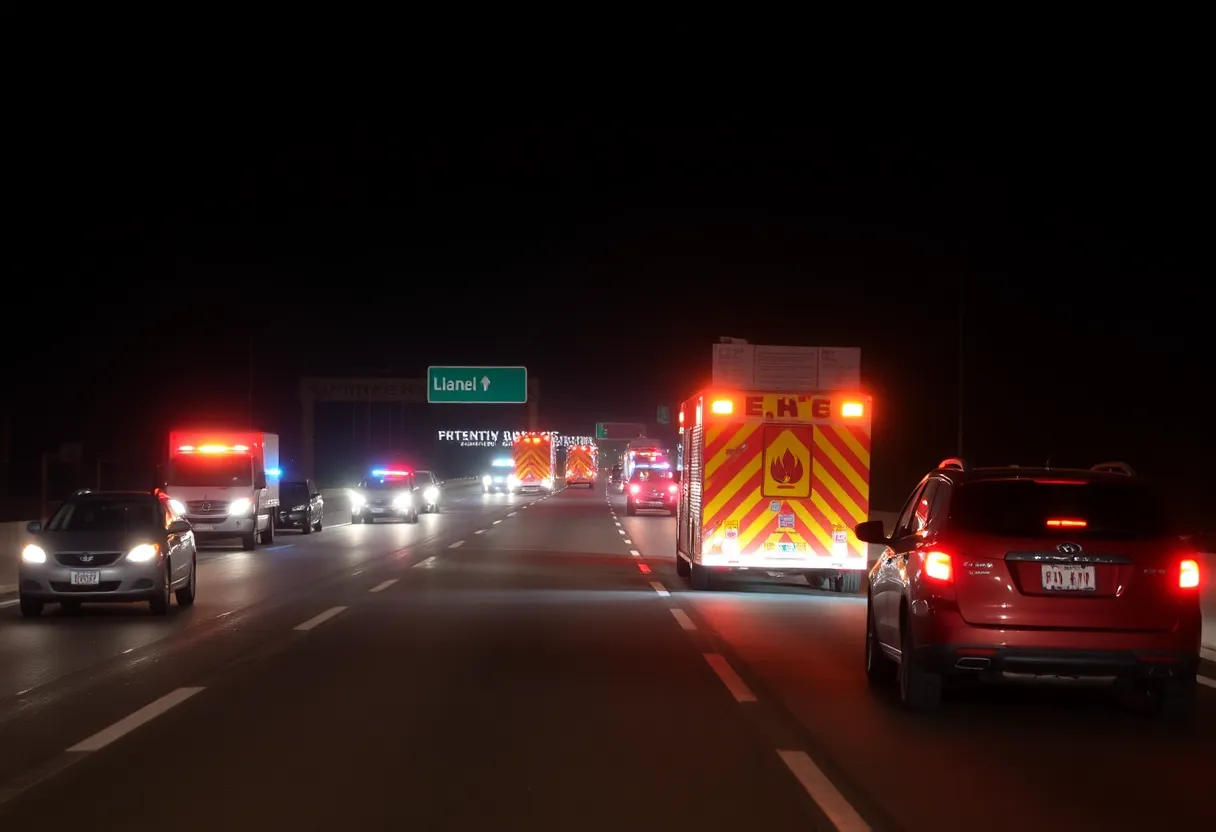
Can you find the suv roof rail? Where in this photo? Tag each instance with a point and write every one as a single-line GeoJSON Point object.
{"type": "Point", "coordinates": [955, 463]}
{"type": "Point", "coordinates": [1115, 468]}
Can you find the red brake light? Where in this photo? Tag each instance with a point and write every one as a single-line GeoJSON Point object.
{"type": "Point", "coordinates": [1061, 523]}
{"type": "Point", "coordinates": [634, 489]}
{"type": "Point", "coordinates": [1188, 575]}
{"type": "Point", "coordinates": [938, 566]}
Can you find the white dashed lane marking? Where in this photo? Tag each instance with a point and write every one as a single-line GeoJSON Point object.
{"type": "Point", "coordinates": [737, 687]}
{"type": "Point", "coordinates": [457, 544]}
{"type": "Point", "coordinates": [129, 723]}
{"type": "Point", "coordinates": [682, 617]}
{"type": "Point", "coordinates": [383, 586]}
{"type": "Point", "coordinates": [318, 620]}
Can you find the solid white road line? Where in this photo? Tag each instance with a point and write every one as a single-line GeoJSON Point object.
{"type": "Point", "coordinates": [831, 802]}
{"type": "Point", "coordinates": [1204, 680]}
{"type": "Point", "coordinates": [12, 603]}
{"type": "Point", "coordinates": [683, 618]}
{"type": "Point", "coordinates": [457, 544]}
{"type": "Point", "coordinates": [659, 588]}
{"type": "Point", "coordinates": [737, 687]}
{"type": "Point", "coordinates": [425, 564]}
{"type": "Point", "coordinates": [383, 586]}
{"type": "Point", "coordinates": [318, 620]}
{"type": "Point", "coordinates": [635, 553]}
{"type": "Point", "coordinates": [129, 723]}
{"type": "Point", "coordinates": [480, 531]}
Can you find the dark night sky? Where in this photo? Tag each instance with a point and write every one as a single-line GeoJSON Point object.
{"type": "Point", "coordinates": [623, 253]}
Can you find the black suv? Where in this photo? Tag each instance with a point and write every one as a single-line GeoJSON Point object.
{"type": "Point", "coordinates": [301, 506]}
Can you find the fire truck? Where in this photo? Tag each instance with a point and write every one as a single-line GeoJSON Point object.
{"type": "Point", "coordinates": [535, 460]}
{"type": "Point", "coordinates": [582, 465]}
{"type": "Point", "coordinates": [774, 482]}
{"type": "Point", "coordinates": [226, 483]}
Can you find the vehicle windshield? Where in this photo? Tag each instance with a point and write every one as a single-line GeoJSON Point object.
{"type": "Point", "coordinates": [107, 515]}
{"type": "Point", "coordinates": [385, 484]}
{"type": "Point", "coordinates": [218, 470]}
{"type": "Point", "coordinates": [649, 474]}
{"type": "Point", "coordinates": [1093, 511]}
{"type": "Point", "coordinates": [423, 477]}
{"type": "Point", "coordinates": [294, 492]}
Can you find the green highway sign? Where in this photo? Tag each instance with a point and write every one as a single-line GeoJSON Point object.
{"type": "Point", "coordinates": [477, 385]}
{"type": "Point", "coordinates": [664, 415]}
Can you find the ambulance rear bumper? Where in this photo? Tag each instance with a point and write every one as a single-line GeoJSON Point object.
{"type": "Point", "coordinates": [783, 562]}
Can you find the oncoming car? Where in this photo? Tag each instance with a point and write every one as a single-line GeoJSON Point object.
{"type": "Point", "coordinates": [386, 494]}
{"type": "Point", "coordinates": [1028, 572]}
{"type": "Point", "coordinates": [109, 546]}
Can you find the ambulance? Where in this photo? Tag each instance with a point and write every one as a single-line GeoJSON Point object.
{"type": "Point", "coordinates": [535, 460]}
{"type": "Point", "coordinates": [582, 465]}
{"type": "Point", "coordinates": [226, 483]}
{"type": "Point", "coordinates": [774, 482]}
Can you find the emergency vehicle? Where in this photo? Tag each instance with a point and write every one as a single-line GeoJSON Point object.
{"type": "Point", "coordinates": [774, 482]}
{"type": "Point", "coordinates": [535, 460]}
{"type": "Point", "coordinates": [387, 494]}
{"type": "Point", "coordinates": [226, 483]}
{"type": "Point", "coordinates": [645, 453]}
{"type": "Point", "coordinates": [582, 465]}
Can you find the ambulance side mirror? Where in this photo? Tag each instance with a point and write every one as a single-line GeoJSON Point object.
{"type": "Point", "coordinates": [871, 531]}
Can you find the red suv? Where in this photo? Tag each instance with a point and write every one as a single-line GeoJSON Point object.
{"type": "Point", "coordinates": [1039, 572]}
{"type": "Point", "coordinates": [651, 489]}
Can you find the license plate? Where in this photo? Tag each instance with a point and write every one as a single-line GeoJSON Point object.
{"type": "Point", "coordinates": [203, 527]}
{"type": "Point", "coordinates": [86, 578]}
{"type": "Point", "coordinates": [1070, 578]}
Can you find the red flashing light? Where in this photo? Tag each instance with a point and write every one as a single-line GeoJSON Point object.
{"type": "Point", "coordinates": [213, 449]}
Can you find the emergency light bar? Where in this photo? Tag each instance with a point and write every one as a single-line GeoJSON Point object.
{"type": "Point", "coordinates": [213, 449]}
{"type": "Point", "coordinates": [274, 472]}
{"type": "Point", "coordinates": [381, 472]}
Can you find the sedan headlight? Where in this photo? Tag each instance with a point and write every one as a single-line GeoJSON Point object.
{"type": "Point", "coordinates": [240, 507]}
{"type": "Point", "coordinates": [356, 501]}
{"type": "Point", "coordinates": [403, 501]}
{"type": "Point", "coordinates": [486, 480]}
{"type": "Point", "coordinates": [143, 553]}
{"type": "Point", "coordinates": [33, 554]}
{"type": "Point", "coordinates": [546, 483]}
{"type": "Point", "coordinates": [431, 494]}
{"type": "Point", "coordinates": [177, 507]}
{"type": "Point", "coordinates": [512, 480]}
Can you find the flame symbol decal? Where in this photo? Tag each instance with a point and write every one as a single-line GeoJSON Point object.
{"type": "Point", "coordinates": [786, 470]}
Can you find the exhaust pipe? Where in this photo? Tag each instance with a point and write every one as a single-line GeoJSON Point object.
{"type": "Point", "coordinates": [973, 663]}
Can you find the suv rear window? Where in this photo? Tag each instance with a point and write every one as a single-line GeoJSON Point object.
{"type": "Point", "coordinates": [1022, 508]}
{"type": "Point", "coordinates": [647, 474]}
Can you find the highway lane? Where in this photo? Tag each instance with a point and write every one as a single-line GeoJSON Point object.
{"type": "Point", "coordinates": [56, 662]}
{"type": "Point", "coordinates": [527, 674]}
{"type": "Point", "coordinates": [1006, 758]}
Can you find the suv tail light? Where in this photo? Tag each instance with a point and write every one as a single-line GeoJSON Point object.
{"type": "Point", "coordinates": [1188, 574]}
{"type": "Point", "coordinates": [634, 489]}
{"type": "Point", "coordinates": [672, 488]}
{"type": "Point", "coordinates": [938, 566]}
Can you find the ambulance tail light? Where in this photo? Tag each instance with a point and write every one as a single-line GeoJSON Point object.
{"type": "Point", "coordinates": [852, 410]}
{"type": "Point", "coordinates": [722, 407]}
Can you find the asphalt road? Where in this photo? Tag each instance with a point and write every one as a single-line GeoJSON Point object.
{"type": "Point", "coordinates": [513, 664]}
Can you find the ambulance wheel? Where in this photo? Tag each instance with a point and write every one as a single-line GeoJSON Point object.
{"type": "Point", "coordinates": [268, 535]}
{"type": "Point", "coordinates": [682, 566]}
{"type": "Point", "coordinates": [249, 542]}
{"type": "Point", "coordinates": [702, 577]}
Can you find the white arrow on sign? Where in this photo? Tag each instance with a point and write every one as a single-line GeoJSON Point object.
{"type": "Point", "coordinates": [485, 383]}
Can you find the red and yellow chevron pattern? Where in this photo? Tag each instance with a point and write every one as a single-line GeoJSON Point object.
{"type": "Point", "coordinates": [580, 464]}
{"type": "Point", "coordinates": [797, 484]}
{"type": "Point", "coordinates": [533, 460]}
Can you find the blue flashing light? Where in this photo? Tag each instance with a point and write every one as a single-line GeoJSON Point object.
{"type": "Point", "coordinates": [383, 472]}
{"type": "Point", "coordinates": [274, 472]}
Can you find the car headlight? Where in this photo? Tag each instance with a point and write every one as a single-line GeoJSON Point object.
{"type": "Point", "coordinates": [298, 508]}
{"type": "Point", "coordinates": [143, 553]}
{"type": "Point", "coordinates": [546, 483]}
{"type": "Point", "coordinates": [512, 480]}
{"type": "Point", "coordinates": [403, 501]}
{"type": "Point", "coordinates": [33, 554]}
{"type": "Point", "coordinates": [239, 507]}
{"type": "Point", "coordinates": [177, 507]}
{"type": "Point", "coordinates": [356, 500]}
{"type": "Point", "coordinates": [485, 480]}
{"type": "Point", "coordinates": [431, 494]}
